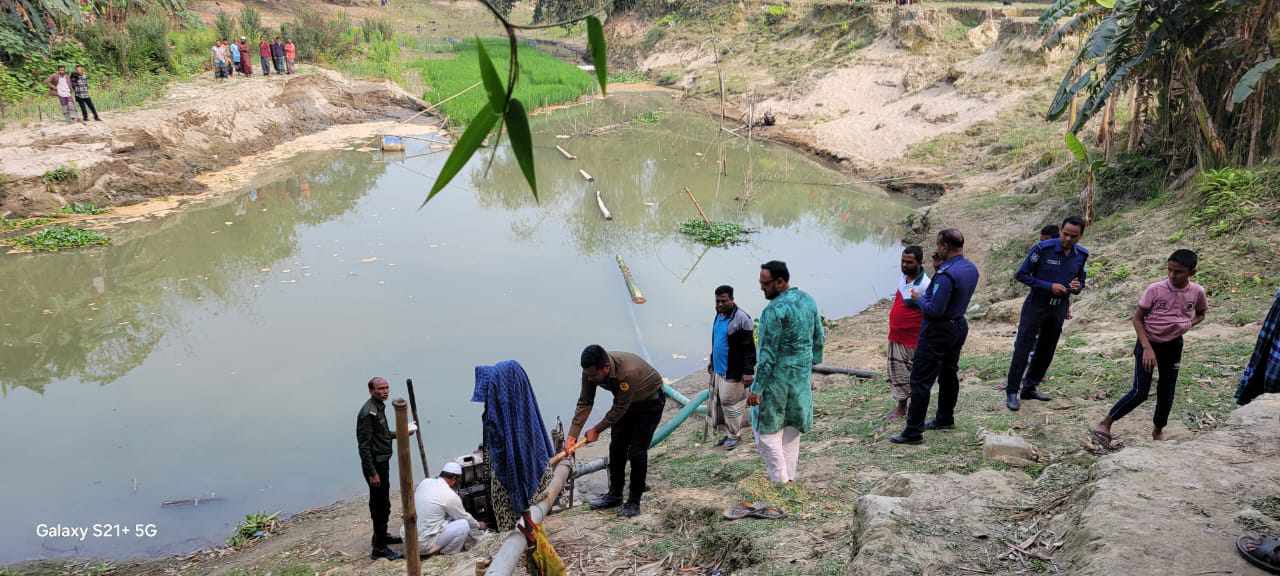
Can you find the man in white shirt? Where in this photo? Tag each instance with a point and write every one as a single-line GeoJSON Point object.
{"type": "Point", "coordinates": [444, 527]}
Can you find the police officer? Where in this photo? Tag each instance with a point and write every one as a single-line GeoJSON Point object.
{"type": "Point", "coordinates": [375, 439]}
{"type": "Point", "coordinates": [1054, 269]}
{"type": "Point", "coordinates": [942, 336]}
{"type": "Point", "coordinates": [637, 407]}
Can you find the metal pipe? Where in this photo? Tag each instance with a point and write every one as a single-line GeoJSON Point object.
{"type": "Point", "coordinates": [855, 372]}
{"type": "Point", "coordinates": [413, 563]}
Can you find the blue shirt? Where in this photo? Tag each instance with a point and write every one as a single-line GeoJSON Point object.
{"type": "Point", "coordinates": [235, 52]}
{"type": "Point", "coordinates": [720, 344]}
{"type": "Point", "coordinates": [948, 295]}
{"type": "Point", "coordinates": [1048, 264]}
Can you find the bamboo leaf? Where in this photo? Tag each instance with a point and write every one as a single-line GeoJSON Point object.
{"type": "Point", "coordinates": [599, 51]}
{"type": "Point", "coordinates": [1108, 4]}
{"type": "Point", "coordinates": [1077, 147]}
{"type": "Point", "coordinates": [521, 142]}
{"type": "Point", "coordinates": [492, 85]}
{"type": "Point", "coordinates": [1250, 80]}
{"type": "Point", "coordinates": [463, 149]}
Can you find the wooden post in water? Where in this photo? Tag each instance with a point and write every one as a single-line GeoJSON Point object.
{"type": "Point", "coordinates": [408, 516]}
{"type": "Point", "coordinates": [422, 449]}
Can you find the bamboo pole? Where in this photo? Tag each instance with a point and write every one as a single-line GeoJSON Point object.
{"type": "Point", "coordinates": [603, 209]}
{"type": "Point", "coordinates": [586, 176]}
{"type": "Point", "coordinates": [698, 206]}
{"type": "Point", "coordinates": [565, 153]}
{"type": "Point", "coordinates": [408, 515]}
{"type": "Point", "coordinates": [636, 296]}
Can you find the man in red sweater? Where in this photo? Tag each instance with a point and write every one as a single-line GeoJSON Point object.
{"type": "Point", "coordinates": [904, 327]}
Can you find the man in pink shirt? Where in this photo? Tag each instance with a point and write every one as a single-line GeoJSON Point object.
{"type": "Point", "coordinates": [290, 51]}
{"type": "Point", "coordinates": [1167, 310]}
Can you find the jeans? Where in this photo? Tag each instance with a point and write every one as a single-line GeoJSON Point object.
{"type": "Point", "coordinates": [937, 358]}
{"type": "Point", "coordinates": [1039, 328]}
{"type": "Point", "coordinates": [266, 65]}
{"type": "Point", "coordinates": [380, 504]}
{"type": "Point", "coordinates": [1168, 358]}
{"type": "Point", "coordinates": [629, 442]}
{"type": "Point", "coordinates": [68, 112]}
{"type": "Point", "coordinates": [86, 105]}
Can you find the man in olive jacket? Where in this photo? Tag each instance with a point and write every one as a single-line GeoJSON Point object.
{"type": "Point", "coordinates": [374, 439]}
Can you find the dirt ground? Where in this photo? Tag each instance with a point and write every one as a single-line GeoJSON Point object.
{"type": "Point", "coordinates": [200, 127]}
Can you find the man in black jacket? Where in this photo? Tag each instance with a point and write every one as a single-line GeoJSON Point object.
{"type": "Point", "coordinates": [732, 366]}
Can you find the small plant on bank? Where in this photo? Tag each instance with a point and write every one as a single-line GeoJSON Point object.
{"type": "Point", "coordinates": [1227, 199]}
{"type": "Point", "coordinates": [22, 223]}
{"type": "Point", "coordinates": [86, 208]}
{"type": "Point", "coordinates": [253, 526]}
{"type": "Point", "coordinates": [59, 238]}
{"type": "Point", "coordinates": [64, 173]}
{"type": "Point", "coordinates": [715, 233]}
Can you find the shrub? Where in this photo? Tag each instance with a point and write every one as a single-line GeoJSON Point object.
{"type": "Point", "coordinates": [320, 38]}
{"type": "Point", "coordinates": [225, 24]}
{"type": "Point", "coordinates": [1227, 199]}
{"type": "Point", "coordinates": [64, 173]}
{"type": "Point", "coordinates": [253, 526]}
{"type": "Point", "coordinates": [377, 26]}
{"type": "Point", "coordinates": [1130, 180]}
{"type": "Point", "coordinates": [148, 45]}
{"type": "Point", "coordinates": [774, 13]}
{"type": "Point", "coordinates": [250, 23]}
{"type": "Point", "coordinates": [60, 238]}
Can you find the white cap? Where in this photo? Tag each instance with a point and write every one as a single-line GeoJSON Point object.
{"type": "Point", "coordinates": [452, 468]}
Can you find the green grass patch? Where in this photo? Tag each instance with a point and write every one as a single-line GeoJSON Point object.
{"type": "Point", "coordinates": [23, 223]}
{"type": "Point", "coordinates": [293, 569]}
{"type": "Point", "coordinates": [59, 238]}
{"type": "Point", "coordinates": [252, 527]}
{"type": "Point", "coordinates": [86, 208]}
{"type": "Point", "coordinates": [544, 80]}
{"type": "Point", "coordinates": [61, 174]}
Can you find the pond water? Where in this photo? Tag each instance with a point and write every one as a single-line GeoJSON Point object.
{"type": "Point", "coordinates": [224, 351]}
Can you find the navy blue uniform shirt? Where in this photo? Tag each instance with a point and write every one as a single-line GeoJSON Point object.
{"type": "Point", "coordinates": [1047, 264]}
{"type": "Point", "coordinates": [948, 295]}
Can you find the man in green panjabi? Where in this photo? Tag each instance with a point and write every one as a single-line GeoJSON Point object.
{"type": "Point", "coordinates": [791, 341]}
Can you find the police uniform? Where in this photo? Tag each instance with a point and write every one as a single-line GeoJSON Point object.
{"type": "Point", "coordinates": [374, 439]}
{"type": "Point", "coordinates": [637, 408]}
{"type": "Point", "coordinates": [1040, 324]}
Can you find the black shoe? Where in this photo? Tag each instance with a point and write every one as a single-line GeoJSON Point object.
{"type": "Point", "coordinates": [934, 425]}
{"type": "Point", "coordinates": [606, 502]}
{"type": "Point", "coordinates": [904, 439]}
{"type": "Point", "coordinates": [384, 552]}
{"type": "Point", "coordinates": [1012, 402]}
{"type": "Point", "coordinates": [630, 510]}
{"type": "Point", "coordinates": [722, 441]}
{"type": "Point", "coordinates": [393, 540]}
{"type": "Point", "coordinates": [1034, 395]}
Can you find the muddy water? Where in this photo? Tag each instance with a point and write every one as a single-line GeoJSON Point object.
{"type": "Point", "coordinates": [223, 352]}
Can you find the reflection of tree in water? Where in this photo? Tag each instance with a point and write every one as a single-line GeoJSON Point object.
{"type": "Point", "coordinates": [642, 171]}
{"type": "Point", "coordinates": [109, 308]}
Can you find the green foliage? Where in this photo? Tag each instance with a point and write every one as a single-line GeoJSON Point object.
{"type": "Point", "coordinates": [543, 79]}
{"type": "Point", "coordinates": [83, 208]}
{"type": "Point", "coordinates": [1251, 79]}
{"type": "Point", "coordinates": [225, 24]}
{"type": "Point", "coordinates": [599, 52]}
{"type": "Point", "coordinates": [318, 38]}
{"type": "Point", "coordinates": [1227, 199]}
{"type": "Point", "coordinates": [58, 238]}
{"type": "Point", "coordinates": [626, 77]}
{"type": "Point", "coordinates": [253, 526]}
{"type": "Point", "coordinates": [7, 225]}
{"type": "Point", "coordinates": [379, 28]}
{"type": "Point", "coordinates": [148, 45]}
{"type": "Point", "coordinates": [1130, 180]}
{"type": "Point", "coordinates": [61, 174]}
{"type": "Point", "coordinates": [521, 141]}
{"type": "Point", "coordinates": [774, 13]}
{"type": "Point", "coordinates": [715, 233]}
{"type": "Point", "coordinates": [250, 24]}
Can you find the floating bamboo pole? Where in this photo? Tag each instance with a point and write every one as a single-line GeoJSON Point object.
{"type": "Point", "coordinates": [636, 296]}
{"type": "Point", "coordinates": [698, 206]}
{"type": "Point", "coordinates": [565, 153]}
{"type": "Point", "coordinates": [603, 209]}
{"type": "Point", "coordinates": [586, 176]}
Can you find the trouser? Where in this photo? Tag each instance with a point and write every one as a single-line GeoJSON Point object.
{"type": "Point", "coordinates": [728, 404]}
{"type": "Point", "coordinates": [279, 62]}
{"type": "Point", "coordinates": [86, 105]}
{"type": "Point", "coordinates": [1168, 358]}
{"type": "Point", "coordinates": [781, 453]}
{"type": "Point", "coordinates": [380, 504]}
{"type": "Point", "coordinates": [937, 358]}
{"type": "Point", "coordinates": [288, 65]}
{"type": "Point", "coordinates": [1039, 328]}
{"type": "Point", "coordinates": [266, 65]}
{"type": "Point", "coordinates": [68, 113]}
{"type": "Point", "coordinates": [900, 363]}
{"type": "Point", "coordinates": [451, 540]}
{"type": "Point", "coordinates": [629, 442]}
{"type": "Point", "coordinates": [235, 67]}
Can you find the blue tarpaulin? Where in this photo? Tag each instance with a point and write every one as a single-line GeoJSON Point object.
{"type": "Point", "coordinates": [514, 434]}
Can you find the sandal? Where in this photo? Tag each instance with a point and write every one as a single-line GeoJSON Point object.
{"type": "Point", "coordinates": [768, 513]}
{"type": "Point", "coordinates": [740, 511]}
{"type": "Point", "coordinates": [1103, 440]}
{"type": "Point", "coordinates": [1264, 553]}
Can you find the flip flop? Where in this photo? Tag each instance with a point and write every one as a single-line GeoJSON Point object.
{"type": "Point", "coordinates": [739, 512]}
{"type": "Point", "coordinates": [1263, 552]}
{"type": "Point", "coordinates": [1103, 440]}
{"type": "Point", "coordinates": [768, 513]}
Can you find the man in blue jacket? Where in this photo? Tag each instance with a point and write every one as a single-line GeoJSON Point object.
{"type": "Point", "coordinates": [1054, 269]}
{"type": "Point", "coordinates": [942, 337]}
